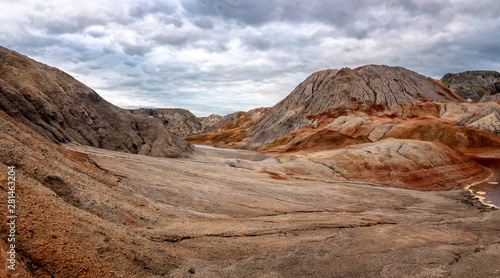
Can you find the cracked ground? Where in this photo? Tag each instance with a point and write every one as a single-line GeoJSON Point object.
{"type": "Point", "coordinates": [225, 221]}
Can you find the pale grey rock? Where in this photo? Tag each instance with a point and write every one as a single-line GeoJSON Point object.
{"type": "Point", "coordinates": [490, 98]}
{"type": "Point", "coordinates": [179, 121]}
{"type": "Point", "coordinates": [490, 123]}
{"type": "Point", "coordinates": [483, 116]}
{"type": "Point", "coordinates": [327, 90]}
{"type": "Point", "coordinates": [397, 85]}
{"type": "Point", "coordinates": [224, 121]}
{"type": "Point", "coordinates": [379, 131]}
{"type": "Point", "coordinates": [473, 84]}
{"type": "Point", "coordinates": [209, 121]}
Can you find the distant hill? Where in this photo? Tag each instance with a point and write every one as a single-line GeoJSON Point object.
{"type": "Point", "coordinates": [62, 109]}
{"type": "Point", "coordinates": [473, 85]}
{"type": "Point", "coordinates": [209, 121]}
{"type": "Point", "coordinates": [179, 121]}
{"type": "Point", "coordinates": [230, 128]}
{"type": "Point", "coordinates": [376, 86]}
{"type": "Point", "coordinates": [332, 109]}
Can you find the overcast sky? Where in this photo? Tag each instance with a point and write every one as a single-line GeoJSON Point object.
{"type": "Point", "coordinates": [221, 56]}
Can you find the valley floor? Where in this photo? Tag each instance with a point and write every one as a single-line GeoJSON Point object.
{"type": "Point", "coordinates": [226, 215]}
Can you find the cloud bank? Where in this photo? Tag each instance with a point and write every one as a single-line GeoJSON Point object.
{"type": "Point", "coordinates": [221, 56]}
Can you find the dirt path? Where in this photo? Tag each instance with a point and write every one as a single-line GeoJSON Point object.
{"type": "Point", "coordinates": [225, 220]}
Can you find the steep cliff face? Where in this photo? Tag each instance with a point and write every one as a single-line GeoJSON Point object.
{"type": "Point", "coordinates": [378, 87]}
{"type": "Point", "coordinates": [473, 85]}
{"type": "Point", "coordinates": [179, 121]}
{"type": "Point", "coordinates": [62, 109]}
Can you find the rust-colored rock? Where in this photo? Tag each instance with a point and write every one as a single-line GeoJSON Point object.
{"type": "Point", "coordinates": [405, 163]}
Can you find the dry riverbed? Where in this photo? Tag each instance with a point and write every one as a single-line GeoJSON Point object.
{"type": "Point", "coordinates": [225, 214]}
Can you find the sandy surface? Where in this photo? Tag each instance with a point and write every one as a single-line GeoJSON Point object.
{"type": "Point", "coordinates": [224, 220]}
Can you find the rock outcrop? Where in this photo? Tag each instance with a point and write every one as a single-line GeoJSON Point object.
{"type": "Point", "coordinates": [209, 121]}
{"type": "Point", "coordinates": [491, 98]}
{"type": "Point", "coordinates": [379, 87]}
{"type": "Point", "coordinates": [230, 129]}
{"type": "Point", "coordinates": [62, 109]}
{"type": "Point", "coordinates": [483, 116]}
{"type": "Point", "coordinates": [404, 163]}
{"type": "Point", "coordinates": [179, 121]}
{"type": "Point", "coordinates": [334, 131]}
{"type": "Point", "coordinates": [224, 121]}
{"type": "Point", "coordinates": [473, 85]}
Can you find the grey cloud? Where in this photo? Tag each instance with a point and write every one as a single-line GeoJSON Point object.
{"type": "Point", "coordinates": [173, 39]}
{"type": "Point", "coordinates": [177, 22]}
{"type": "Point", "coordinates": [229, 55]}
{"type": "Point", "coordinates": [96, 33]}
{"type": "Point", "coordinates": [212, 46]}
{"type": "Point", "coordinates": [257, 42]}
{"type": "Point", "coordinates": [204, 23]}
{"type": "Point", "coordinates": [140, 10]}
{"type": "Point", "coordinates": [247, 12]}
{"type": "Point", "coordinates": [54, 23]}
{"type": "Point", "coordinates": [131, 64]}
{"type": "Point", "coordinates": [135, 49]}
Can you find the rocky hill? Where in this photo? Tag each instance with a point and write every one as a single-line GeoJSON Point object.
{"type": "Point", "coordinates": [379, 87]}
{"type": "Point", "coordinates": [62, 109]}
{"type": "Point", "coordinates": [209, 121]}
{"type": "Point", "coordinates": [179, 121]}
{"type": "Point", "coordinates": [231, 129]}
{"type": "Point", "coordinates": [473, 85]}
{"type": "Point", "coordinates": [332, 109]}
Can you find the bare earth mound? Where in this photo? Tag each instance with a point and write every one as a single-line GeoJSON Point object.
{"type": "Point", "coordinates": [404, 163]}
{"type": "Point", "coordinates": [60, 108]}
{"type": "Point", "coordinates": [380, 87]}
{"type": "Point", "coordinates": [70, 214]}
{"type": "Point", "coordinates": [474, 85]}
